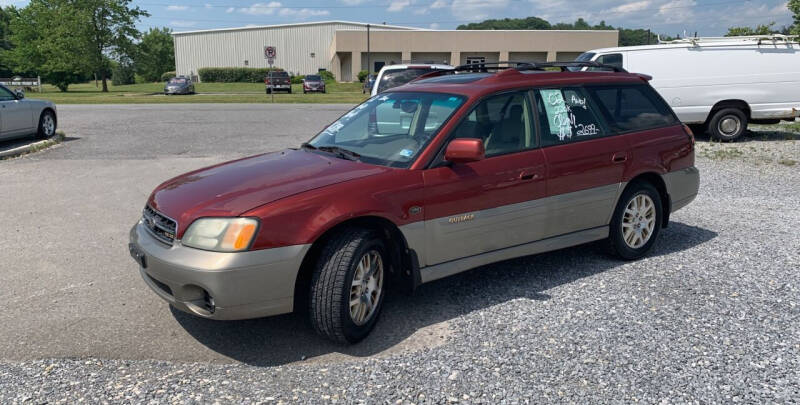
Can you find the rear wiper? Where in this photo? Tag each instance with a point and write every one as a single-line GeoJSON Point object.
{"type": "Point", "coordinates": [340, 152]}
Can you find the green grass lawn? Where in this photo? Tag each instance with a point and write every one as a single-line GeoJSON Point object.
{"type": "Point", "coordinates": [87, 93]}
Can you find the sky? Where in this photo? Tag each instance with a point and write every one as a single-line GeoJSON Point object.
{"type": "Point", "coordinates": [706, 17]}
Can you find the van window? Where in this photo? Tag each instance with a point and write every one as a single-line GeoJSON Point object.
{"type": "Point", "coordinates": [567, 115]}
{"type": "Point", "coordinates": [502, 122]}
{"type": "Point", "coordinates": [635, 107]}
{"type": "Point", "coordinates": [612, 59]}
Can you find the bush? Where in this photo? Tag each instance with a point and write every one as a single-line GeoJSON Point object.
{"type": "Point", "coordinates": [123, 73]}
{"type": "Point", "coordinates": [297, 79]}
{"type": "Point", "coordinates": [167, 75]}
{"type": "Point", "coordinates": [362, 75]}
{"type": "Point", "coordinates": [327, 76]}
{"type": "Point", "coordinates": [234, 74]}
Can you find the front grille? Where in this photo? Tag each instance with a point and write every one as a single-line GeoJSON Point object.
{"type": "Point", "coordinates": [159, 225]}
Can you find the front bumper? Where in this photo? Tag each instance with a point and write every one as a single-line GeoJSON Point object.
{"type": "Point", "coordinates": [182, 90]}
{"type": "Point", "coordinates": [241, 285]}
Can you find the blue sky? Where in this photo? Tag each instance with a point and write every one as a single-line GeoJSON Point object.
{"type": "Point", "coordinates": [707, 17]}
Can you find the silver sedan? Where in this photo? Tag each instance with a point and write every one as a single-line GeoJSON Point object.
{"type": "Point", "coordinates": [21, 117]}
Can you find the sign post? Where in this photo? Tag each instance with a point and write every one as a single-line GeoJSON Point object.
{"type": "Point", "coordinates": [269, 54]}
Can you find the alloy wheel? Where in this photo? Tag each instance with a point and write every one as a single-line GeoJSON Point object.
{"type": "Point", "coordinates": [638, 221]}
{"type": "Point", "coordinates": [365, 290]}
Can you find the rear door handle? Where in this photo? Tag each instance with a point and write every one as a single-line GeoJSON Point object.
{"type": "Point", "coordinates": [528, 176]}
{"type": "Point", "coordinates": [619, 157]}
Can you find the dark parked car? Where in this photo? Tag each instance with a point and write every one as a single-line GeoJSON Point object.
{"type": "Point", "coordinates": [313, 83]}
{"type": "Point", "coordinates": [278, 81]}
{"type": "Point", "coordinates": [179, 85]}
{"type": "Point", "coordinates": [369, 81]}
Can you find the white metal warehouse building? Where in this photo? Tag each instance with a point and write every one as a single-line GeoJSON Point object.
{"type": "Point", "coordinates": [341, 46]}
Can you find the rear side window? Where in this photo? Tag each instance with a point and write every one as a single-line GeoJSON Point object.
{"type": "Point", "coordinates": [633, 108]}
{"type": "Point", "coordinates": [567, 115]}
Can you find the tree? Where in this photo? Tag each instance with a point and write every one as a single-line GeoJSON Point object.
{"type": "Point", "coordinates": [627, 37]}
{"type": "Point", "coordinates": [6, 15]}
{"type": "Point", "coordinates": [109, 28]}
{"type": "Point", "coordinates": [155, 54]}
{"type": "Point", "coordinates": [794, 7]}
{"type": "Point", "coordinates": [761, 29]}
{"type": "Point", "coordinates": [43, 42]}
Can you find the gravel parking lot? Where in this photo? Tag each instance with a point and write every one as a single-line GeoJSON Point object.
{"type": "Point", "coordinates": [711, 315]}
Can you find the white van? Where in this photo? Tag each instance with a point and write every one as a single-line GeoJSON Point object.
{"type": "Point", "coordinates": [720, 84]}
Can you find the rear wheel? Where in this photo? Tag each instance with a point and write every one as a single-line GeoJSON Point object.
{"type": "Point", "coordinates": [727, 124]}
{"type": "Point", "coordinates": [47, 125]}
{"type": "Point", "coordinates": [636, 222]}
{"type": "Point", "coordinates": [269, 90]}
{"type": "Point", "coordinates": [347, 287]}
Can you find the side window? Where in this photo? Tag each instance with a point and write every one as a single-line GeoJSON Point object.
{"type": "Point", "coordinates": [502, 122]}
{"type": "Point", "coordinates": [6, 95]}
{"type": "Point", "coordinates": [612, 59]}
{"type": "Point", "coordinates": [567, 115]}
{"type": "Point", "coordinates": [634, 107]}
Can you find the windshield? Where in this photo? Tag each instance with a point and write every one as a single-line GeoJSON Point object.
{"type": "Point", "coordinates": [389, 129]}
{"type": "Point", "coordinates": [394, 78]}
{"type": "Point", "coordinates": [177, 81]}
{"type": "Point", "coordinates": [313, 78]}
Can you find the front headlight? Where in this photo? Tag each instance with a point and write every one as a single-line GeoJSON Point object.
{"type": "Point", "coordinates": [221, 234]}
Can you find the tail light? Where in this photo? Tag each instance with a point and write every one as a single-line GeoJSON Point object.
{"type": "Point", "coordinates": [689, 132]}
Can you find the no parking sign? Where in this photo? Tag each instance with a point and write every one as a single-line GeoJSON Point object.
{"type": "Point", "coordinates": [269, 54]}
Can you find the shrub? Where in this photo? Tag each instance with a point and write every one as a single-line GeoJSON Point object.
{"type": "Point", "coordinates": [327, 76]}
{"type": "Point", "coordinates": [234, 74]}
{"type": "Point", "coordinates": [123, 73]}
{"type": "Point", "coordinates": [362, 75]}
{"type": "Point", "coordinates": [297, 79]}
{"type": "Point", "coordinates": [167, 75]}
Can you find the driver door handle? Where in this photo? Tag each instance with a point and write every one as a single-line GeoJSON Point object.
{"type": "Point", "coordinates": [619, 157]}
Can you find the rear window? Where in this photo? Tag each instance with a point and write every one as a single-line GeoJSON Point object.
{"type": "Point", "coordinates": [394, 78]}
{"type": "Point", "coordinates": [279, 74]}
{"type": "Point", "coordinates": [633, 108]}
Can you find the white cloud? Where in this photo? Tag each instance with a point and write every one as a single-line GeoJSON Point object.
{"type": "Point", "coordinates": [208, 6]}
{"type": "Point", "coordinates": [177, 8]}
{"type": "Point", "coordinates": [677, 11]}
{"type": "Point", "coordinates": [353, 2]}
{"type": "Point", "coordinates": [632, 7]}
{"type": "Point", "coordinates": [261, 8]}
{"type": "Point", "coordinates": [230, 10]}
{"type": "Point", "coordinates": [398, 5]}
{"type": "Point", "coordinates": [303, 13]}
{"type": "Point", "coordinates": [182, 23]}
{"type": "Point", "coordinates": [434, 26]}
{"type": "Point", "coordinates": [477, 9]}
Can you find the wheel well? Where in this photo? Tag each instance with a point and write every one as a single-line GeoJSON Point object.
{"type": "Point", "coordinates": [739, 104]}
{"type": "Point", "coordinates": [403, 269]}
{"type": "Point", "coordinates": [658, 182]}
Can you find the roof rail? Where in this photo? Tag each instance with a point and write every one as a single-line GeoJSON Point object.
{"type": "Point", "coordinates": [518, 66]}
{"type": "Point", "coordinates": [757, 38]}
{"type": "Point", "coordinates": [571, 64]}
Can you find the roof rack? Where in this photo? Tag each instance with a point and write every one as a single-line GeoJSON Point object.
{"type": "Point", "coordinates": [757, 38]}
{"type": "Point", "coordinates": [503, 66]}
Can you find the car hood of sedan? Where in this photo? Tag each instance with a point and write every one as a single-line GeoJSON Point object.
{"type": "Point", "coordinates": [232, 188]}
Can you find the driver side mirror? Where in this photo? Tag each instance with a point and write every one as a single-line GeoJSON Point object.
{"type": "Point", "coordinates": [19, 93]}
{"type": "Point", "coordinates": [465, 150]}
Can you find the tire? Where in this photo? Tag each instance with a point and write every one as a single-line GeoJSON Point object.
{"type": "Point", "coordinates": [727, 124]}
{"type": "Point", "coordinates": [289, 92]}
{"type": "Point", "coordinates": [626, 229]}
{"type": "Point", "coordinates": [305, 92]}
{"type": "Point", "coordinates": [269, 91]}
{"type": "Point", "coordinates": [47, 125]}
{"type": "Point", "coordinates": [332, 286]}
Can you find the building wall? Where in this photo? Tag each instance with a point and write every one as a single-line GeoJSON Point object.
{"type": "Point", "coordinates": [231, 47]}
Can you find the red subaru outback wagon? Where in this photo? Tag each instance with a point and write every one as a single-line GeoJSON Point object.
{"type": "Point", "coordinates": [455, 170]}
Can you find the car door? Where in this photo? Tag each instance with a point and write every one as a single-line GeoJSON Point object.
{"type": "Point", "coordinates": [585, 162]}
{"type": "Point", "coordinates": [481, 206]}
{"type": "Point", "coordinates": [15, 115]}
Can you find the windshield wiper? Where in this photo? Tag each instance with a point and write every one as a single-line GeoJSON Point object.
{"type": "Point", "coordinates": [306, 145]}
{"type": "Point", "coordinates": [340, 152]}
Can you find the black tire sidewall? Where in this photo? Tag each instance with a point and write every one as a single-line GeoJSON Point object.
{"type": "Point", "coordinates": [41, 125]}
{"type": "Point", "coordinates": [713, 125]}
{"type": "Point", "coordinates": [354, 333]}
{"type": "Point", "coordinates": [615, 233]}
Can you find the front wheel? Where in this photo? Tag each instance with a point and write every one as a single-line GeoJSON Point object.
{"type": "Point", "coordinates": [347, 287]}
{"type": "Point", "coordinates": [636, 222]}
{"type": "Point", "coordinates": [727, 124]}
{"type": "Point", "coordinates": [47, 125]}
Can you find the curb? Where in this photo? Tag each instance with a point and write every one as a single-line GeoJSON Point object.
{"type": "Point", "coordinates": [32, 147]}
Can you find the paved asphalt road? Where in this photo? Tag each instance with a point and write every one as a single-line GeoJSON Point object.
{"type": "Point", "coordinates": [711, 315]}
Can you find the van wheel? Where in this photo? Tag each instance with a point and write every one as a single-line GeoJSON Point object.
{"type": "Point", "coordinates": [636, 222]}
{"type": "Point", "coordinates": [727, 124]}
{"type": "Point", "coordinates": [347, 286]}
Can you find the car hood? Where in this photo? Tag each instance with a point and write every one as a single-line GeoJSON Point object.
{"type": "Point", "coordinates": [232, 188]}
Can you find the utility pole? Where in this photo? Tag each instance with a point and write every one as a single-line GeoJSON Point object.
{"type": "Point", "coordinates": [648, 36]}
{"type": "Point", "coordinates": [369, 65]}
